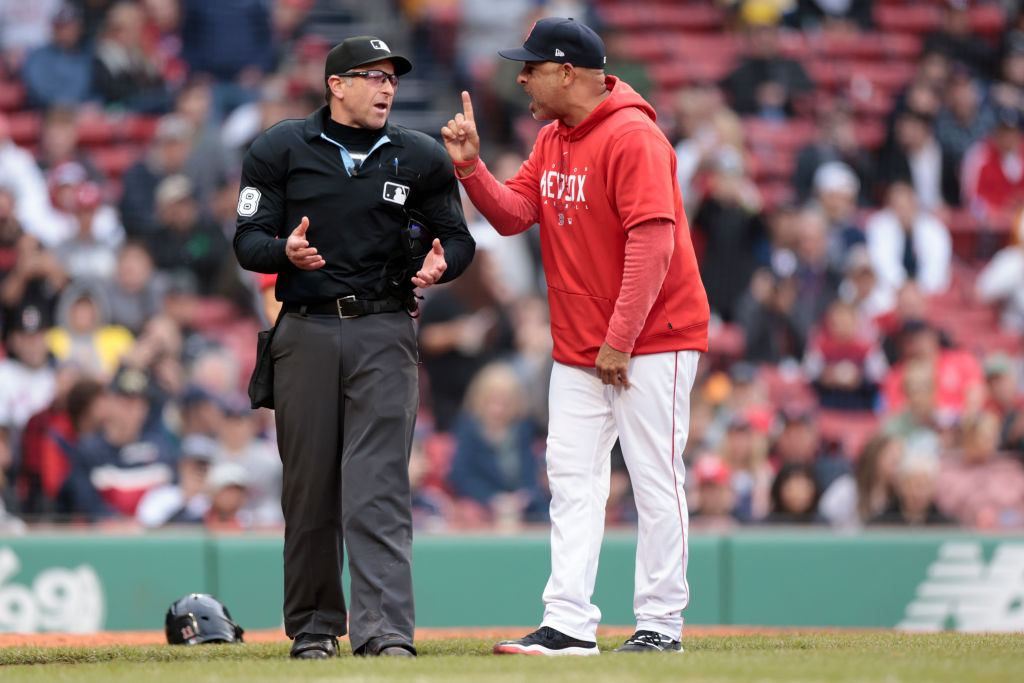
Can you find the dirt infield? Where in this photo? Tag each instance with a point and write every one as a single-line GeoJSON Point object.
{"type": "Point", "coordinates": [272, 635]}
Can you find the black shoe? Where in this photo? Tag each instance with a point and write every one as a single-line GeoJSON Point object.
{"type": "Point", "coordinates": [314, 646]}
{"type": "Point", "coordinates": [387, 645]}
{"type": "Point", "coordinates": [649, 641]}
{"type": "Point", "coordinates": [546, 641]}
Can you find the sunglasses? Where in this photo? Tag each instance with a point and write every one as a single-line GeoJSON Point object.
{"type": "Point", "coordinates": [375, 76]}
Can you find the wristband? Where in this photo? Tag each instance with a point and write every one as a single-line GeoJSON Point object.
{"type": "Point", "coordinates": [464, 164]}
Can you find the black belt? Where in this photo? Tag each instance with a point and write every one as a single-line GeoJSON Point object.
{"type": "Point", "coordinates": [347, 307]}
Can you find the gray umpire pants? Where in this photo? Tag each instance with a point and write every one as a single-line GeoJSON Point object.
{"type": "Point", "coordinates": [346, 397]}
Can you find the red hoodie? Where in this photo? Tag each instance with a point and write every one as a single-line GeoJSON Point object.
{"type": "Point", "coordinates": [588, 186]}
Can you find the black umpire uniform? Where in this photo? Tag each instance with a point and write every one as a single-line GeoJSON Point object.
{"type": "Point", "coordinates": [344, 351]}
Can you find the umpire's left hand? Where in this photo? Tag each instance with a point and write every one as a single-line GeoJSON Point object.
{"type": "Point", "coordinates": [298, 250]}
{"type": "Point", "coordinates": [434, 266]}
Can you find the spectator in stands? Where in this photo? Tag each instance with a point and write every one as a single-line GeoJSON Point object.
{"type": "Point", "coordinates": [955, 39]}
{"type": "Point", "coordinates": [765, 83]}
{"type": "Point", "coordinates": [730, 224]}
{"type": "Point", "coordinates": [1001, 281]}
{"type": "Point", "coordinates": [908, 243]}
{"type": "Point", "coordinates": [90, 253]}
{"type": "Point", "coordinates": [841, 16]}
{"type": "Point", "coordinates": [817, 273]}
{"type": "Point", "coordinates": [463, 326]}
{"type": "Point", "coordinates": [65, 60]}
{"type": "Point", "coordinates": [83, 335]}
{"type": "Point", "coordinates": [963, 120]}
{"type": "Point", "coordinates": [240, 442]}
{"type": "Point", "coordinates": [231, 42]}
{"type": "Point", "coordinates": [916, 157]}
{"type": "Point", "coordinates": [836, 189]}
{"type": "Point", "coordinates": [766, 312]}
{"type": "Point", "coordinates": [1006, 401]}
{"type": "Point", "coordinates": [228, 487]}
{"type": "Point", "coordinates": [920, 420]}
{"type": "Point", "coordinates": [21, 177]}
{"type": "Point", "coordinates": [31, 273]}
{"type": "Point", "coordinates": [24, 26]}
{"type": "Point", "coordinates": [135, 291]}
{"type": "Point", "coordinates": [49, 438]}
{"type": "Point", "coordinates": [854, 499]}
{"type": "Point", "coordinates": [704, 124]}
{"type": "Point", "coordinates": [289, 23]}
{"type": "Point", "coordinates": [715, 499]}
{"type": "Point", "coordinates": [432, 508]}
{"type": "Point", "coordinates": [130, 454]}
{"type": "Point", "coordinates": [798, 441]}
{"type": "Point", "coordinates": [844, 364]}
{"type": "Point", "coordinates": [159, 351]}
{"type": "Point", "coordinates": [911, 305]}
{"type": "Point", "coordinates": [207, 164]}
{"type": "Point", "coordinates": [494, 464]}
{"type": "Point", "coordinates": [794, 496]}
{"type": "Point", "coordinates": [993, 171]}
{"type": "Point", "coordinates": [201, 411]}
{"type": "Point", "coordinates": [169, 155]}
{"type": "Point", "coordinates": [859, 288]}
{"type": "Point", "coordinates": [27, 379]}
{"type": "Point", "coordinates": [744, 453]}
{"type": "Point", "coordinates": [959, 388]}
{"type": "Point", "coordinates": [124, 73]}
{"type": "Point", "coordinates": [186, 500]}
{"type": "Point", "coordinates": [83, 224]}
{"type": "Point", "coordinates": [186, 239]}
{"type": "Point", "coordinates": [58, 142]}
{"type": "Point", "coordinates": [836, 141]}
{"type": "Point", "coordinates": [979, 486]}
{"type": "Point", "coordinates": [916, 487]}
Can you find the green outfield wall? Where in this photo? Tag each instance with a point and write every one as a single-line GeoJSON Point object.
{"type": "Point", "coordinates": [83, 582]}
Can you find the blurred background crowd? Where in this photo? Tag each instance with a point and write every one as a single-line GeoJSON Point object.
{"type": "Point", "coordinates": [853, 174]}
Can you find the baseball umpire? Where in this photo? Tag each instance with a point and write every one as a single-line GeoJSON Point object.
{"type": "Point", "coordinates": [629, 318]}
{"type": "Point", "coordinates": [337, 188]}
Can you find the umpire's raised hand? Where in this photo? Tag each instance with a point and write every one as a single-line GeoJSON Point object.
{"type": "Point", "coordinates": [461, 139]}
{"type": "Point", "coordinates": [298, 250]}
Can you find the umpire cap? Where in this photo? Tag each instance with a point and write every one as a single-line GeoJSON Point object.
{"type": "Point", "coordinates": [353, 52]}
{"type": "Point", "coordinates": [554, 39]}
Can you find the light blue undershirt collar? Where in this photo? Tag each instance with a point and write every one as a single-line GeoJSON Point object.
{"type": "Point", "coordinates": [346, 159]}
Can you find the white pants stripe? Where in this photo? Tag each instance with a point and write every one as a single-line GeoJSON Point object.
{"type": "Point", "coordinates": [651, 420]}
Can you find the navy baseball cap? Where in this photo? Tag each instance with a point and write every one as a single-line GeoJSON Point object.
{"type": "Point", "coordinates": [555, 39]}
{"type": "Point", "coordinates": [353, 52]}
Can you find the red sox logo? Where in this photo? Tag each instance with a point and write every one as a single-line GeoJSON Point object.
{"type": "Point", "coordinates": [187, 632]}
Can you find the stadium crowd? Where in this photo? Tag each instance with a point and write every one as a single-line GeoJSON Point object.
{"type": "Point", "coordinates": [859, 233]}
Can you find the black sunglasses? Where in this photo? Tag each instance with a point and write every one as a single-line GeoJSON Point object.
{"type": "Point", "coordinates": [375, 76]}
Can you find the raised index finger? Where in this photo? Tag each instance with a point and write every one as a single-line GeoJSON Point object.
{"type": "Point", "coordinates": [467, 106]}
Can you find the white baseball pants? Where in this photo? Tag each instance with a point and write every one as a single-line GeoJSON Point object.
{"type": "Point", "coordinates": [651, 420]}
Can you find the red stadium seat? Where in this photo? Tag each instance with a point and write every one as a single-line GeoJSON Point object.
{"type": "Point", "coordinates": [96, 130]}
{"type": "Point", "coordinates": [12, 95]}
{"type": "Point", "coordinates": [25, 127]}
{"type": "Point", "coordinates": [113, 160]}
{"type": "Point", "coordinates": [916, 18]}
{"type": "Point", "coordinates": [850, 429]}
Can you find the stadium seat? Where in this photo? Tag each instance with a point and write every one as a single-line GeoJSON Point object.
{"type": "Point", "coordinates": [850, 429]}
{"type": "Point", "coordinates": [113, 160]}
{"type": "Point", "coordinates": [25, 127]}
{"type": "Point", "coordinates": [916, 18]}
{"type": "Point", "coordinates": [96, 130]}
{"type": "Point", "coordinates": [12, 95]}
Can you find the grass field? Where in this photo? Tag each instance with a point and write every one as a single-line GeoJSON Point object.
{"type": "Point", "coordinates": [797, 657]}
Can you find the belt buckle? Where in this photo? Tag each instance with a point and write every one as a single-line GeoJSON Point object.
{"type": "Point", "coordinates": [350, 297]}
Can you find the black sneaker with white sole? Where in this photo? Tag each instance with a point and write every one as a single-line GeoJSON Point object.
{"type": "Point", "coordinates": [546, 641]}
{"type": "Point", "coordinates": [649, 641]}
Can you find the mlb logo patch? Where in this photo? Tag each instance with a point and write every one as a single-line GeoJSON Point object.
{"type": "Point", "coordinates": [393, 192]}
{"type": "Point", "coordinates": [379, 45]}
